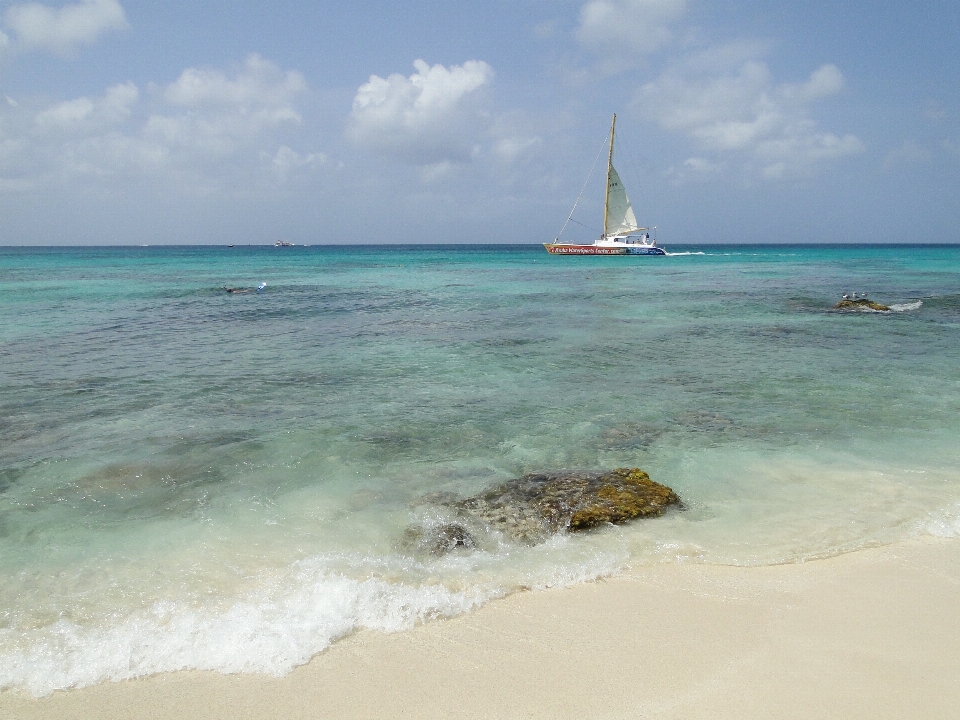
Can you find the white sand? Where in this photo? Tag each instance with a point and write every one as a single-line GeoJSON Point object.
{"type": "Point", "coordinates": [873, 634]}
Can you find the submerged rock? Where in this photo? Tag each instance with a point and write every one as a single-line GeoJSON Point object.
{"type": "Point", "coordinates": [438, 539]}
{"type": "Point", "coordinates": [535, 506]}
{"type": "Point", "coordinates": [631, 436]}
{"type": "Point", "coordinates": [860, 304]}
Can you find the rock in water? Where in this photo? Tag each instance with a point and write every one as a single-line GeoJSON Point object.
{"type": "Point", "coordinates": [438, 539]}
{"type": "Point", "coordinates": [860, 304]}
{"type": "Point", "coordinates": [533, 507]}
{"type": "Point", "coordinates": [621, 495]}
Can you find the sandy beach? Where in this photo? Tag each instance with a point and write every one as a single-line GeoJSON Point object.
{"type": "Point", "coordinates": [870, 634]}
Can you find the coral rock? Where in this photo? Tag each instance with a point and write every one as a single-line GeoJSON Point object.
{"type": "Point", "coordinates": [533, 507]}
{"type": "Point", "coordinates": [439, 539]}
{"type": "Point", "coordinates": [860, 304]}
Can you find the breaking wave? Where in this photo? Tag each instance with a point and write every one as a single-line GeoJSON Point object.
{"type": "Point", "coordinates": [271, 630]}
{"type": "Point", "coordinates": [905, 307]}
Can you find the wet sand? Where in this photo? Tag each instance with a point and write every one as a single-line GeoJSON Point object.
{"type": "Point", "coordinates": [871, 634]}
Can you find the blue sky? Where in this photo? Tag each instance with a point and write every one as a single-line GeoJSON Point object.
{"type": "Point", "coordinates": [127, 122]}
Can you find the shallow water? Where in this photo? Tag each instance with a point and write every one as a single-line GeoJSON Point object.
{"type": "Point", "coordinates": [195, 478]}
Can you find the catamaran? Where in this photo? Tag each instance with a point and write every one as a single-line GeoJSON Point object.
{"type": "Point", "coordinates": [621, 234]}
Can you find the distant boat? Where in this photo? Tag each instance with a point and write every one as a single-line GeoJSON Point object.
{"type": "Point", "coordinates": [621, 234]}
{"type": "Point", "coordinates": [282, 243]}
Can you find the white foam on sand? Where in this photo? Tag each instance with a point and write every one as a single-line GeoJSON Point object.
{"type": "Point", "coordinates": [272, 632]}
{"type": "Point", "coordinates": [943, 523]}
{"type": "Point", "coordinates": [281, 625]}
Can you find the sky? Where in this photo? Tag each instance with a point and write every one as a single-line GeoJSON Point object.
{"type": "Point", "coordinates": [133, 122]}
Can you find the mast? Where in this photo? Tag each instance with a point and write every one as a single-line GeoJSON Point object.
{"type": "Point", "coordinates": [606, 198]}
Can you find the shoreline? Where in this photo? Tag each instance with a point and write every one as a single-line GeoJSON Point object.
{"type": "Point", "coordinates": [873, 633]}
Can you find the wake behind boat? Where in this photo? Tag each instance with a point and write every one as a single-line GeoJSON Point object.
{"type": "Point", "coordinates": [621, 234]}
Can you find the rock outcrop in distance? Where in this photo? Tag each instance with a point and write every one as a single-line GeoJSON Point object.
{"type": "Point", "coordinates": [860, 304]}
{"type": "Point", "coordinates": [531, 508]}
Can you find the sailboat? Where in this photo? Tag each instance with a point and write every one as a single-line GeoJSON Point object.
{"type": "Point", "coordinates": [621, 234]}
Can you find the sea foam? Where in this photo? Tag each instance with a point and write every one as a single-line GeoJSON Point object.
{"type": "Point", "coordinates": [943, 523]}
{"type": "Point", "coordinates": [271, 630]}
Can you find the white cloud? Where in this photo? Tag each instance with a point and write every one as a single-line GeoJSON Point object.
{"type": "Point", "coordinates": [60, 30]}
{"type": "Point", "coordinates": [509, 149]}
{"type": "Point", "coordinates": [219, 114]}
{"type": "Point", "coordinates": [702, 166]}
{"type": "Point", "coordinates": [616, 27]}
{"type": "Point", "coordinates": [824, 81]}
{"type": "Point", "coordinates": [726, 101]}
{"type": "Point", "coordinates": [695, 169]}
{"type": "Point", "coordinates": [206, 127]}
{"type": "Point", "coordinates": [286, 161]}
{"type": "Point", "coordinates": [261, 83]}
{"type": "Point", "coordinates": [435, 115]}
{"type": "Point", "coordinates": [85, 113]}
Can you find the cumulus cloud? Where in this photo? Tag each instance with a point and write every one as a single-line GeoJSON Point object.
{"type": "Point", "coordinates": [702, 166]}
{"type": "Point", "coordinates": [435, 115]}
{"type": "Point", "coordinates": [286, 161]}
{"type": "Point", "coordinates": [60, 30]}
{"type": "Point", "coordinates": [219, 114]}
{"type": "Point", "coordinates": [824, 81]}
{"type": "Point", "coordinates": [726, 100]}
{"type": "Point", "coordinates": [206, 124]}
{"type": "Point", "coordinates": [261, 83]}
{"type": "Point", "coordinates": [85, 114]}
{"type": "Point", "coordinates": [620, 32]}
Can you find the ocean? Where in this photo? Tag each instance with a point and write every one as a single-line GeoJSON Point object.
{"type": "Point", "coordinates": [197, 478]}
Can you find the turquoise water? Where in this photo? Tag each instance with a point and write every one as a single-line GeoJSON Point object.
{"type": "Point", "coordinates": [191, 478]}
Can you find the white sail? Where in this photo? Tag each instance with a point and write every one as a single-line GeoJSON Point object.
{"type": "Point", "coordinates": [620, 217]}
{"type": "Point", "coordinates": [621, 235]}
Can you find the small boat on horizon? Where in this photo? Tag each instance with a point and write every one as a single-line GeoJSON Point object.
{"type": "Point", "coordinates": [621, 233]}
{"type": "Point", "coordinates": [283, 243]}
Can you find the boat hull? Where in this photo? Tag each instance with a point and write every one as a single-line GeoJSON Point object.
{"type": "Point", "coordinates": [566, 249]}
{"type": "Point", "coordinates": [563, 249]}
